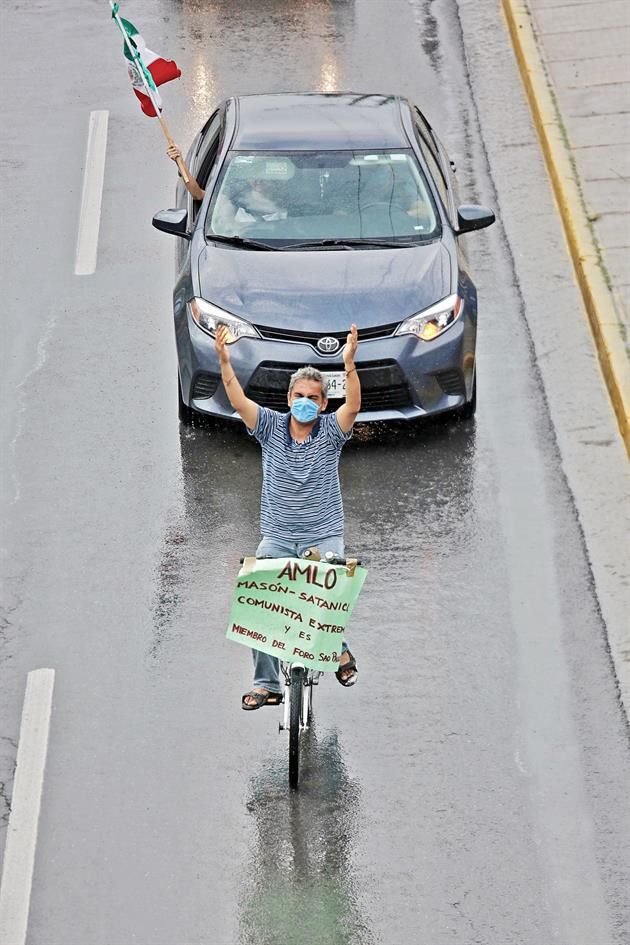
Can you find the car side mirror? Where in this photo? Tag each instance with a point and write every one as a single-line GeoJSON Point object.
{"type": "Point", "coordinates": [472, 217]}
{"type": "Point", "coordinates": [174, 222]}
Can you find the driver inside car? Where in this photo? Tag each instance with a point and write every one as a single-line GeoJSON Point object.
{"type": "Point", "coordinates": [245, 201]}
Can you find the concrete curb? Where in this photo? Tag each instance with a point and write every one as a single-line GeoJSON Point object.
{"type": "Point", "coordinates": [583, 248]}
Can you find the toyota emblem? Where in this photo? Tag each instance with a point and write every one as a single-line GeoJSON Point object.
{"type": "Point", "coordinates": [328, 345]}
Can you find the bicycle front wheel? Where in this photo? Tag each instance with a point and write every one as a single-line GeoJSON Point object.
{"type": "Point", "coordinates": [295, 706]}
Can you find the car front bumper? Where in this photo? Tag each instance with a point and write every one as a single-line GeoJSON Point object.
{"type": "Point", "coordinates": [401, 377]}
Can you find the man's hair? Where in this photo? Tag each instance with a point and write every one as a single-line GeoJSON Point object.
{"type": "Point", "coordinates": [308, 373]}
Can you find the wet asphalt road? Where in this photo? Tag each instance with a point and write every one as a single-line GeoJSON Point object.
{"type": "Point", "coordinates": [473, 787]}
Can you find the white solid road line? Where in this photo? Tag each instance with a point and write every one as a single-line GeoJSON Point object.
{"type": "Point", "coordinates": [19, 853]}
{"type": "Point", "coordinates": [93, 175]}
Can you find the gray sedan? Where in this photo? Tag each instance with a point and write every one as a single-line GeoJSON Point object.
{"type": "Point", "coordinates": [321, 210]}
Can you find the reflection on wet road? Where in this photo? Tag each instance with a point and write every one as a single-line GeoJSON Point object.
{"type": "Point", "coordinates": [301, 886]}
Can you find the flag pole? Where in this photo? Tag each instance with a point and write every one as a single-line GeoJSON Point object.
{"type": "Point", "coordinates": [149, 86]}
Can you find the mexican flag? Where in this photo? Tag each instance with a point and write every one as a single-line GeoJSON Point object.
{"type": "Point", "coordinates": [143, 64]}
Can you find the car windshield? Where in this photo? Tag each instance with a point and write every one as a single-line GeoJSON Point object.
{"type": "Point", "coordinates": [297, 197]}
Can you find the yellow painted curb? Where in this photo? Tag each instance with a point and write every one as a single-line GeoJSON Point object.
{"type": "Point", "coordinates": [595, 292]}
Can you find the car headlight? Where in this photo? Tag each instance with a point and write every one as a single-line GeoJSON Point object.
{"type": "Point", "coordinates": [433, 321]}
{"type": "Point", "coordinates": [208, 317]}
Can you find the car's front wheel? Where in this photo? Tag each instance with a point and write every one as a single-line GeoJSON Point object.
{"type": "Point", "coordinates": [185, 413]}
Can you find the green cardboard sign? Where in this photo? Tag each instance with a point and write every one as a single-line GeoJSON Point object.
{"type": "Point", "coordinates": [294, 609]}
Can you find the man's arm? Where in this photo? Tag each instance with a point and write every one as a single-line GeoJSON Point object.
{"type": "Point", "coordinates": [245, 408]}
{"type": "Point", "coordinates": [191, 185]}
{"type": "Point", "coordinates": [347, 413]}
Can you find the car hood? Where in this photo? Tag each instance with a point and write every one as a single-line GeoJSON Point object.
{"type": "Point", "coordinates": [324, 290]}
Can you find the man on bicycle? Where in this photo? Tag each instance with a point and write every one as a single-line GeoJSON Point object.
{"type": "Point", "coordinates": [301, 503]}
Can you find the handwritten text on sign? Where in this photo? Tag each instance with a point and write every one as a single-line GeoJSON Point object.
{"type": "Point", "coordinates": [294, 609]}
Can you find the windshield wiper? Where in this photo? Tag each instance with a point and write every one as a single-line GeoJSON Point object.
{"type": "Point", "coordinates": [351, 243]}
{"type": "Point", "coordinates": [239, 241]}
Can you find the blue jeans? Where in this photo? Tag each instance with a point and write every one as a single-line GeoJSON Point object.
{"type": "Point", "coordinates": [266, 667]}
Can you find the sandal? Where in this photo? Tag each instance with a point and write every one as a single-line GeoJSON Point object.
{"type": "Point", "coordinates": [260, 699]}
{"type": "Point", "coordinates": [349, 667]}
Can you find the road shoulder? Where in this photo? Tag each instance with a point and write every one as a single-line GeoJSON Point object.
{"type": "Point", "coordinates": [586, 251]}
{"type": "Point", "coordinates": [591, 452]}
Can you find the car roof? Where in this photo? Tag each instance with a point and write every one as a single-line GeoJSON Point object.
{"type": "Point", "coordinates": [307, 121]}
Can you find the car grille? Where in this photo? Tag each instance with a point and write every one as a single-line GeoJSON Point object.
{"type": "Point", "coordinates": [451, 382]}
{"type": "Point", "coordinates": [311, 337]}
{"type": "Point", "coordinates": [383, 386]}
{"type": "Point", "coordinates": [205, 385]}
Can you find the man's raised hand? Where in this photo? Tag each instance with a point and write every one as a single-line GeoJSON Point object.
{"type": "Point", "coordinates": [220, 344]}
{"type": "Point", "coordinates": [350, 349]}
{"type": "Point", "coordinates": [245, 408]}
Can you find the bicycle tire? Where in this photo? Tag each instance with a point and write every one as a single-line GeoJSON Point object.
{"type": "Point", "coordinates": [295, 710]}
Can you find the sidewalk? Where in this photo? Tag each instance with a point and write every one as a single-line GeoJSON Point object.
{"type": "Point", "coordinates": [574, 57]}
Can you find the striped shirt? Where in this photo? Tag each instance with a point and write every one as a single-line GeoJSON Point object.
{"type": "Point", "coordinates": [301, 496]}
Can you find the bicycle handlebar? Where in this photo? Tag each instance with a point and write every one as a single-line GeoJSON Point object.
{"type": "Point", "coordinates": [329, 558]}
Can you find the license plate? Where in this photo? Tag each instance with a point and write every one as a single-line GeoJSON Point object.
{"type": "Point", "coordinates": [336, 384]}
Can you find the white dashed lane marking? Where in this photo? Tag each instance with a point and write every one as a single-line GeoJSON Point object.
{"type": "Point", "coordinates": [92, 195]}
{"type": "Point", "coordinates": [19, 853]}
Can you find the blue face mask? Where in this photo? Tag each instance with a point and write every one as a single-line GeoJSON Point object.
{"type": "Point", "coordinates": [304, 410]}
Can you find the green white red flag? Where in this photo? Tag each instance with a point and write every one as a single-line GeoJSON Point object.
{"type": "Point", "coordinates": [146, 69]}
